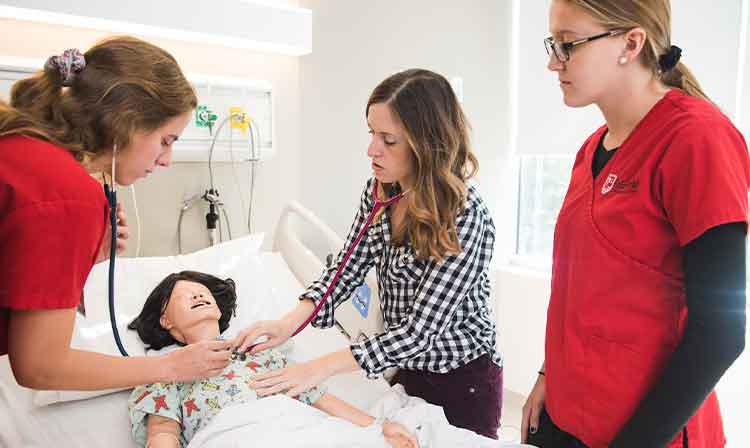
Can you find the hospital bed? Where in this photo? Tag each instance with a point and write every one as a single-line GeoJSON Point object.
{"type": "Point", "coordinates": [268, 284]}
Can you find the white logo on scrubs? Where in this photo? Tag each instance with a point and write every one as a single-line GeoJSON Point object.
{"type": "Point", "coordinates": [609, 183]}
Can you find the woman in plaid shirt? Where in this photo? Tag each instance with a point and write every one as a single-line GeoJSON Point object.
{"type": "Point", "coordinates": [431, 251]}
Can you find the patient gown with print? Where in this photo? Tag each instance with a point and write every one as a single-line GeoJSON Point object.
{"type": "Point", "coordinates": [194, 404]}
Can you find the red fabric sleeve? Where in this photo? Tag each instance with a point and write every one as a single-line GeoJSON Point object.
{"type": "Point", "coordinates": [48, 251]}
{"type": "Point", "coordinates": [704, 178]}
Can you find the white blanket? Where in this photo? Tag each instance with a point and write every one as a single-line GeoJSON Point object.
{"type": "Point", "coordinates": [284, 422]}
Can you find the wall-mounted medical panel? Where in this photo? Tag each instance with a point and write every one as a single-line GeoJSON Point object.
{"type": "Point", "coordinates": [218, 95]}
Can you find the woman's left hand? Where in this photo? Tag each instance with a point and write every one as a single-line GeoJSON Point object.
{"type": "Point", "coordinates": [398, 436]}
{"type": "Point", "coordinates": [293, 379]}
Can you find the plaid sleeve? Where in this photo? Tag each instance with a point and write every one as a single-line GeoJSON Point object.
{"type": "Point", "coordinates": [440, 293]}
{"type": "Point", "coordinates": [353, 274]}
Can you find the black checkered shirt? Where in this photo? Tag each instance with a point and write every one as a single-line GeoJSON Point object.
{"type": "Point", "coordinates": [437, 316]}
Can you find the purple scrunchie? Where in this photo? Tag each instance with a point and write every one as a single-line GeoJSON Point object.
{"type": "Point", "coordinates": [68, 64]}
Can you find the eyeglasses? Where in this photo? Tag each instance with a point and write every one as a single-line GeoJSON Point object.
{"type": "Point", "coordinates": [562, 50]}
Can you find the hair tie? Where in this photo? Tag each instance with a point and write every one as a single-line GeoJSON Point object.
{"type": "Point", "coordinates": [68, 65]}
{"type": "Point", "coordinates": [669, 60]}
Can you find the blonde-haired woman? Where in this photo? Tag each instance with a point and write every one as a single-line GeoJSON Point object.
{"type": "Point", "coordinates": [61, 127]}
{"type": "Point", "coordinates": [431, 251]}
{"type": "Point", "coordinates": [647, 306]}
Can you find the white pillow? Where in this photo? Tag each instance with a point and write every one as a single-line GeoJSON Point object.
{"type": "Point", "coordinates": [135, 278]}
{"type": "Point", "coordinates": [260, 295]}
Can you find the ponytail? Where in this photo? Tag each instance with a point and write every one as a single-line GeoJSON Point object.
{"type": "Point", "coordinates": [87, 103]}
{"type": "Point", "coordinates": [34, 108]}
{"type": "Point", "coordinates": [682, 78]}
{"type": "Point", "coordinates": [12, 121]}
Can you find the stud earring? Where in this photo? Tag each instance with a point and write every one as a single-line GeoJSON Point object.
{"type": "Point", "coordinates": [622, 60]}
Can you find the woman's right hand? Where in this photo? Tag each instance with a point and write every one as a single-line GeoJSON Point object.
{"type": "Point", "coordinates": [276, 333]}
{"type": "Point", "coordinates": [197, 361]}
{"type": "Point", "coordinates": [532, 409]}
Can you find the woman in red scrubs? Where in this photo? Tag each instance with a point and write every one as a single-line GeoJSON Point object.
{"type": "Point", "coordinates": [647, 308]}
{"type": "Point", "coordinates": [63, 125]}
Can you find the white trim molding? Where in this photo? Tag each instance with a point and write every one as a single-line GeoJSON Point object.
{"type": "Point", "coordinates": [231, 23]}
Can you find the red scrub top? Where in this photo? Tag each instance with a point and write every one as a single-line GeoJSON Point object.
{"type": "Point", "coordinates": [53, 220]}
{"type": "Point", "coordinates": [617, 309]}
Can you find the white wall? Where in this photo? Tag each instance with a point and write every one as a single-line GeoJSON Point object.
{"type": "Point", "coordinates": [521, 313]}
{"type": "Point", "coordinates": [356, 44]}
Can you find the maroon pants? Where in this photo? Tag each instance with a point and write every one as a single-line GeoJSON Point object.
{"type": "Point", "coordinates": [471, 396]}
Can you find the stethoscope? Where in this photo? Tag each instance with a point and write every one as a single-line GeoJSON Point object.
{"type": "Point", "coordinates": [111, 195]}
{"type": "Point", "coordinates": [377, 206]}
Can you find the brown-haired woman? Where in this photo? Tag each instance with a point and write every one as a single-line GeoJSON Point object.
{"type": "Point", "coordinates": [647, 306]}
{"type": "Point", "coordinates": [431, 252]}
{"type": "Point", "coordinates": [123, 97]}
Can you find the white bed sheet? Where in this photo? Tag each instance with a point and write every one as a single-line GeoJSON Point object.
{"type": "Point", "coordinates": [103, 421]}
{"type": "Point", "coordinates": [281, 421]}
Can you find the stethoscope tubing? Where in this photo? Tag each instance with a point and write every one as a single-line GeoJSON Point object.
{"type": "Point", "coordinates": [379, 204]}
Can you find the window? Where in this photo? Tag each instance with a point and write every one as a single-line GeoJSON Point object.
{"type": "Point", "coordinates": [543, 182]}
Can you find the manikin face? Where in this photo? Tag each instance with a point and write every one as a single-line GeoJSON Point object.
{"type": "Point", "coordinates": [391, 155]}
{"type": "Point", "coordinates": [191, 307]}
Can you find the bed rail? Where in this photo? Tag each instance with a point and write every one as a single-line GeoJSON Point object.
{"type": "Point", "coordinates": [307, 267]}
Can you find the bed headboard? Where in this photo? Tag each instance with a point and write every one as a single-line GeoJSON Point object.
{"type": "Point", "coordinates": [307, 267]}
